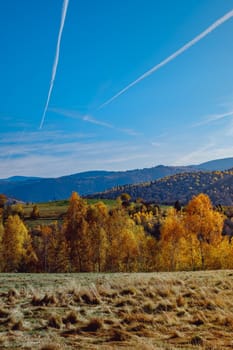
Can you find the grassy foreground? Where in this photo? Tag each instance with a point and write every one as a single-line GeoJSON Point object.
{"type": "Point", "coordinates": [188, 310]}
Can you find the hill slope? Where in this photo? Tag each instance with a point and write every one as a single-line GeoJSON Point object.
{"type": "Point", "coordinates": [218, 185]}
{"type": "Point", "coordinates": [217, 164]}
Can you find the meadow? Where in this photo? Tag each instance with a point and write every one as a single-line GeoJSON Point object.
{"type": "Point", "coordinates": [178, 310]}
{"type": "Point", "coordinates": [53, 211]}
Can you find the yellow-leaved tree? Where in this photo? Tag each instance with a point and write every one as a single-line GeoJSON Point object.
{"type": "Point", "coordinates": [58, 250]}
{"type": "Point", "coordinates": [77, 235]}
{"type": "Point", "coordinates": [173, 254]}
{"type": "Point", "coordinates": [1, 248]}
{"type": "Point", "coordinates": [97, 215]}
{"type": "Point", "coordinates": [16, 245]}
{"type": "Point", "coordinates": [203, 227]}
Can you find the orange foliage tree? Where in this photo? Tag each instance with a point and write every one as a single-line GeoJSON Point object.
{"type": "Point", "coordinates": [16, 245]}
{"type": "Point", "coordinates": [77, 235]}
{"type": "Point", "coordinates": [204, 226]}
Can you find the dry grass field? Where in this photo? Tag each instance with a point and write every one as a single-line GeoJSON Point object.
{"type": "Point", "coordinates": [185, 310]}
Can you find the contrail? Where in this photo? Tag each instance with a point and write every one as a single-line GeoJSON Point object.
{"type": "Point", "coordinates": [56, 59]}
{"type": "Point", "coordinates": [210, 29]}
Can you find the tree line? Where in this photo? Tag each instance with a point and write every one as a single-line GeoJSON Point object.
{"type": "Point", "coordinates": [129, 237]}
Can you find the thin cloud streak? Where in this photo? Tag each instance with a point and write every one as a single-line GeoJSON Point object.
{"type": "Point", "coordinates": [56, 60]}
{"type": "Point", "coordinates": [194, 156]}
{"type": "Point", "coordinates": [170, 58]}
{"type": "Point", "coordinates": [72, 157]}
{"type": "Point", "coordinates": [76, 115]}
{"type": "Point", "coordinates": [213, 118]}
{"type": "Point", "coordinates": [90, 119]}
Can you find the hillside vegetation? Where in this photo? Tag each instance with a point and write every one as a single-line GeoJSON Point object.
{"type": "Point", "coordinates": [218, 185]}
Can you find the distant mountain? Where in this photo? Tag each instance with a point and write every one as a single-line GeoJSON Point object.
{"type": "Point", "coordinates": [20, 178]}
{"type": "Point", "coordinates": [45, 189]}
{"type": "Point", "coordinates": [218, 185]}
{"type": "Point", "coordinates": [218, 164]}
{"type": "Point", "coordinates": [36, 189]}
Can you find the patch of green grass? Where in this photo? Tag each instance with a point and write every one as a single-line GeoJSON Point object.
{"type": "Point", "coordinates": [54, 211]}
{"type": "Point", "coordinates": [108, 202]}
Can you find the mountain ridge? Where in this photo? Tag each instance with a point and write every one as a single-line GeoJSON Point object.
{"type": "Point", "coordinates": [36, 189]}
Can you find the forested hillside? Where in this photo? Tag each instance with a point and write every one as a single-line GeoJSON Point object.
{"type": "Point", "coordinates": [218, 185]}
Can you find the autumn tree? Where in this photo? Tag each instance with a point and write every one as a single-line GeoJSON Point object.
{"type": "Point", "coordinates": [57, 250]}
{"type": "Point", "coordinates": [125, 199]}
{"type": "Point", "coordinates": [123, 250]}
{"type": "Point", "coordinates": [76, 233]}
{"type": "Point", "coordinates": [41, 239]}
{"type": "Point", "coordinates": [16, 244]}
{"type": "Point", "coordinates": [172, 242]}
{"type": "Point", "coordinates": [3, 200]}
{"type": "Point", "coordinates": [204, 227]}
{"type": "Point", "coordinates": [96, 217]}
{"type": "Point", "coordinates": [35, 214]}
{"type": "Point", "coordinates": [1, 247]}
{"type": "Point", "coordinates": [17, 209]}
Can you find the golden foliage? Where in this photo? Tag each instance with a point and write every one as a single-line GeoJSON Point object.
{"type": "Point", "coordinates": [16, 244]}
{"type": "Point", "coordinates": [123, 238]}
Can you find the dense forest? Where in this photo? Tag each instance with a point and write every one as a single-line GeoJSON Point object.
{"type": "Point", "coordinates": [218, 185]}
{"type": "Point", "coordinates": [131, 236]}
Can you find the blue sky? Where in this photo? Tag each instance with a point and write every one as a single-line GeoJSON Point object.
{"type": "Point", "coordinates": [181, 114]}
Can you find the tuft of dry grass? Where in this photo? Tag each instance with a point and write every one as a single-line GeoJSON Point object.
{"type": "Point", "coordinates": [164, 306]}
{"type": "Point", "coordinates": [93, 325]}
{"type": "Point", "coordinates": [125, 301]}
{"type": "Point", "coordinates": [149, 307]}
{"type": "Point", "coordinates": [138, 317]}
{"type": "Point", "coordinates": [4, 312]}
{"type": "Point", "coordinates": [131, 290]}
{"type": "Point", "coordinates": [119, 335]}
{"type": "Point", "coordinates": [55, 321]}
{"type": "Point", "coordinates": [13, 292]}
{"type": "Point", "coordinates": [17, 326]}
{"type": "Point", "coordinates": [197, 340]}
{"type": "Point", "coordinates": [86, 296]}
{"type": "Point", "coordinates": [71, 318]}
{"type": "Point", "coordinates": [180, 301]}
{"type": "Point", "coordinates": [51, 347]}
{"type": "Point", "coordinates": [45, 300]}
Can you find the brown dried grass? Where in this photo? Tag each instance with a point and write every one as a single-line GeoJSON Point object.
{"type": "Point", "coordinates": [166, 311]}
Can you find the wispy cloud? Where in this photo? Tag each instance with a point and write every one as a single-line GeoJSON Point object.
{"type": "Point", "coordinates": [170, 58]}
{"type": "Point", "coordinates": [31, 137]}
{"type": "Point", "coordinates": [56, 59]}
{"type": "Point", "coordinates": [77, 115]}
{"type": "Point", "coordinates": [213, 118]}
{"type": "Point", "coordinates": [92, 120]}
{"type": "Point", "coordinates": [156, 144]}
{"type": "Point", "coordinates": [196, 155]}
{"type": "Point", "coordinates": [55, 154]}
